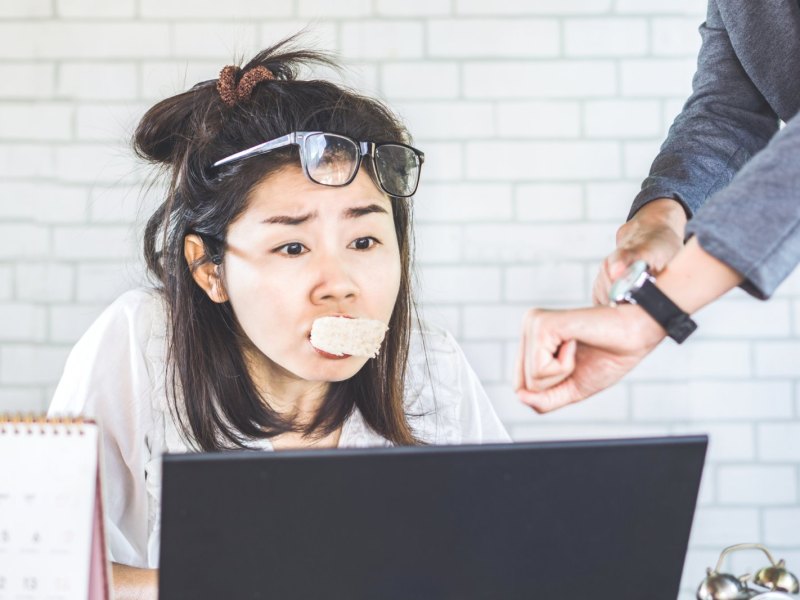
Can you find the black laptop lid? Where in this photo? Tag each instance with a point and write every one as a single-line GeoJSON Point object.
{"type": "Point", "coordinates": [579, 519]}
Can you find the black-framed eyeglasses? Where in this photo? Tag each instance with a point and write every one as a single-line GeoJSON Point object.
{"type": "Point", "coordinates": [333, 159]}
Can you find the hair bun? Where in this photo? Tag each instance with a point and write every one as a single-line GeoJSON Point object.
{"type": "Point", "coordinates": [185, 122]}
{"type": "Point", "coordinates": [166, 130]}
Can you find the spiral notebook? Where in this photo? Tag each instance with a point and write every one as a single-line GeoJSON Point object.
{"type": "Point", "coordinates": [52, 543]}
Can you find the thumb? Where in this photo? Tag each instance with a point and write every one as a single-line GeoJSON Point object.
{"type": "Point", "coordinates": [618, 261]}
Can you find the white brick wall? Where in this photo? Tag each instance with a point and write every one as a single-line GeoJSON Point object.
{"type": "Point", "coordinates": [605, 36]}
{"type": "Point", "coordinates": [538, 118]}
{"type": "Point", "coordinates": [539, 79]}
{"type": "Point", "coordinates": [492, 38]}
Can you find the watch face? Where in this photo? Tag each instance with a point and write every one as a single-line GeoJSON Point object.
{"type": "Point", "coordinates": [621, 287]}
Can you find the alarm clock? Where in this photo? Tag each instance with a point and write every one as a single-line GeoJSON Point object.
{"type": "Point", "coordinates": [773, 582]}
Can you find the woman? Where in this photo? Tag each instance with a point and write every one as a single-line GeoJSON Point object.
{"type": "Point", "coordinates": [289, 201]}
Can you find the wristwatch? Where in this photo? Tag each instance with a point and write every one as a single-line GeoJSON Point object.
{"type": "Point", "coordinates": [637, 286]}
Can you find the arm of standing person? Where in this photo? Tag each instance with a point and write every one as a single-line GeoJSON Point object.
{"type": "Point", "coordinates": [654, 234]}
{"type": "Point", "coordinates": [748, 234]}
{"type": "Point", "coordinates": [724, 123]}
{"type": "Point", "coordinates": [568, 355]}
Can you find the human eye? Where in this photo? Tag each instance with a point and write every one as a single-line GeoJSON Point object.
{"type": "Point", "coordinates": [291, 249]}
{"type": "Point", "coordinates": [363, 243]}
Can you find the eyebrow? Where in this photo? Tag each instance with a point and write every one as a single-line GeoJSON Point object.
{"type": "Point", "coordinates": [350, 213]}
{"type": "Point", "coordinates": [360, 211]}
{"type": "Point", "coordinates": [287, 220]}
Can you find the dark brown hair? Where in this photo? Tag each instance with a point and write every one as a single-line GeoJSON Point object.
{"type": "Point", "coordinates": [212, 394]}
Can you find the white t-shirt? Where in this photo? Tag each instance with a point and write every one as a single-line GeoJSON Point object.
{"type": "Point", "coordinates": [116, 374]}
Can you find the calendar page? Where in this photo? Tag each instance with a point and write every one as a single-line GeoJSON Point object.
{"type": "Point", "coordinates": [48, 504]}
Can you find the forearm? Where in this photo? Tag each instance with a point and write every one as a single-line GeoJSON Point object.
{"type": "Point", "coordinates": [695, 278]}
{"type": "Point", "coordinates": [568, 355]}
{"type": "Point", "coordinates": [724, 123]}
{"type": "Point", "coordinates": [753, 225]}
{"type": "Point", "coordinates": [132, 583]}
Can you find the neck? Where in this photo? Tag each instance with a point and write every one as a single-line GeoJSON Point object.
{"type": "Point", "coordinates": [299, 400]}
{"type": "Point", "coordinates": [294, 398]}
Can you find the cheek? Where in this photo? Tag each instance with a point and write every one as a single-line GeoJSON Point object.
{"type": "Point", "coordinates": [394, 283]}
{"type": "Point", "coordinates": [385, 281]}
{"type": "Point", "coordinates": [261, 303]}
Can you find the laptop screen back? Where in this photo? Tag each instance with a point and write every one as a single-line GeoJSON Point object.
{"type": "Point", "coordinates": [575, 519]}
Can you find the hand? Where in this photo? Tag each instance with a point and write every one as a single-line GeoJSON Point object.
{"type": "Point", "coordinates": [133, 583]}
{"type": "Point", "coordinates": [568, 355]}
{"type": "Point", "coordinates": [655, 234]}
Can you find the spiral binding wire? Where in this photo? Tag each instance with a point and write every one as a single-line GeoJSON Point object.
{"type": "Point", "coordinates": [31, 423]}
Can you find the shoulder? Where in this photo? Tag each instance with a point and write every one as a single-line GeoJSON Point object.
{"type": "Point", "coordinates": [434, 339]}
{"type": "Point", "coordinates": [132, 329]}
{"type": "Point", "coordinates": [445, 400]}
{"type": "Point", "coordinates": [137, 315]}
{"type": "Point", "coordinates": [116, 351]}
{"type": "Point", "coordinates": [433, 355]}
{"type": "Point", "coordinates": [135, 307]}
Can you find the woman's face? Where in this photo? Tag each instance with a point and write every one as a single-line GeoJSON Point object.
{"type": "Point", "coordinates": [301, 251]}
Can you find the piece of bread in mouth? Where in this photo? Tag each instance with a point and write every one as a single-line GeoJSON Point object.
{"type": "Point", "coordinates": [342, 335]}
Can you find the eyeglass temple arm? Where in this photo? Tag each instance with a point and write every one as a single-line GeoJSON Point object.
{"type": "Point", "coordinates": [260, 149]}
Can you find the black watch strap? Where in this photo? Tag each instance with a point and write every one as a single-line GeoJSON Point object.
{"type": "Point", "coordinates": [677, 323]}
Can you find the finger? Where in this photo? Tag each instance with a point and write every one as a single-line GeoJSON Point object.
{"type": "Point", "coordinates": [660, 265]}
{"type": "Point", "coordinates": [602, 285]}
{"type": "Point", "coordinates": [556, 370]}
{"type": "Point", "coordinates": [518, 368]}
{"type": "Point", "coordinates": [611, 269]}
{"type": "Point", "coordinates": [526, 347]}
{"type": "Point", "coordinates": [559, 363]}
{"type": "Point", "coordinates": [545, 383]}
{"type": "Point", "coordinates": [549, 400]}
{"type": "Point", "coordinates": [566, 355]}
{"type": "Point", "coordinates": [541, 363]}
{"type": "Point", "coordinates": [529, 348]}
{"type": "Point", "coordinates": [547, 355]}
{"type": "Point", "coordinates": [618, 261]}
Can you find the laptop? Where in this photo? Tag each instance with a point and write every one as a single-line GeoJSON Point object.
{"type": "Point", "coordinates": [570, 519]}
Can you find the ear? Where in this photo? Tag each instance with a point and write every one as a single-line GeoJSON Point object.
{"type": "Point", "coordinates": [206, 274]}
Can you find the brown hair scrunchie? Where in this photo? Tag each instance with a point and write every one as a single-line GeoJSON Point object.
{"type": "Point", "coordinates": [230, 92]}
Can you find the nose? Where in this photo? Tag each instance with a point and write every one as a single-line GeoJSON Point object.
{"type": "Point", "coordinates": [335, 282]}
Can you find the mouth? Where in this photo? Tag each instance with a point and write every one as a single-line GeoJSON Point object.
{"type": "Point", "coordinates": [342, 336]}
{"type": "Point", "coordinates": [327, 355]}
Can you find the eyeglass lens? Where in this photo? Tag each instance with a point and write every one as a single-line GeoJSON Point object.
{"type": "Point", "coordinates": [330, 159]}
{"type": "Point", "coordinates": [397, 168]}
{"type": "Point", "coordinates": [333, 160]}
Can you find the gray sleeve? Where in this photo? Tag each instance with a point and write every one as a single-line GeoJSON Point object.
{"type": "Point", "coordinates": [724, 123]}
{"type": "Point", "coordinates": [753, 225]}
